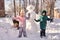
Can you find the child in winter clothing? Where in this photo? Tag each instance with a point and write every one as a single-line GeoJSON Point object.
{"type": "Point", "coordinates": [43, 22]}
{"type": "Point", "coordinates": [22, 26]}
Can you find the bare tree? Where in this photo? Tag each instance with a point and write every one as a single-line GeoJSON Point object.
{"type": "Point", "coordinates": [52, 8]}
{"type": "Point", "coordinates": [29, 1]}
{"type": "Point", "coordinates": [25, 4]}
{"type": "Point", "coordinates": [14, 9]}
{"type": "Point", "coordinates": [37, 4]}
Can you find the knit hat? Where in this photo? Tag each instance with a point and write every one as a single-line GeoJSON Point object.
{"type": "Point", "coordinates": [44, 11]}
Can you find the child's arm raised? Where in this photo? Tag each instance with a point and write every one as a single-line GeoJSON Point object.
{"type": "Point", "coordinates": [36, 20]}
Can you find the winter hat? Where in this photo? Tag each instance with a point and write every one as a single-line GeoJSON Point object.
{"type": "Point", "coordinates": [44, 11]}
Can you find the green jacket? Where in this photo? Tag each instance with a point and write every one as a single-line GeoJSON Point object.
{"type": "Point", "coordinates": [43, 21]}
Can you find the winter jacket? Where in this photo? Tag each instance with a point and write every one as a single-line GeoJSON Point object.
{"type": "Point", "coordinates": [43, 21]}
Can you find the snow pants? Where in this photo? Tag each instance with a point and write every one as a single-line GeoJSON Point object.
{"type": "Point", "coordinates": [22, 30]}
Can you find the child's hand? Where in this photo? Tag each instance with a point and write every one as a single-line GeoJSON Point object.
{"type": "Point", "coordinates": [51, 20]}
{"type": "Point", "coordinates": [35, 20]}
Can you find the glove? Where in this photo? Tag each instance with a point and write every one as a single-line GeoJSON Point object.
{"type": "Point", "coordinates": [51, 20]}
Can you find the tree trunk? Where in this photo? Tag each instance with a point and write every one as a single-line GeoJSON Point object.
{"type": "Point", "coordinates": [25, 5]}
{"type": "Point", "coordinates": [14, 9]}
{"type": "Point", "coordinates": [2, 8]}
{"type": "Point", "coordinates": [37, 4]}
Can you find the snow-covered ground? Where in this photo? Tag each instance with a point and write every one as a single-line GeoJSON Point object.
{"type": "Point", "coordinates": [7, 32]}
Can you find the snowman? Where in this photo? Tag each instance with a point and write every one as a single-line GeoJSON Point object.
{"type": "Point", "coordinates": [30, 23]}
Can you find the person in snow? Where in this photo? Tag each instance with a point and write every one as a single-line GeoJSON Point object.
{"type": "Point", "coordinates": [43, 22]}
{"type": "Point", "coordinates": [22, 23]}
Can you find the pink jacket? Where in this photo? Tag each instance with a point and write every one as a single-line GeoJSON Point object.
{"type": "Point", "coordinates": [21, 21]}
